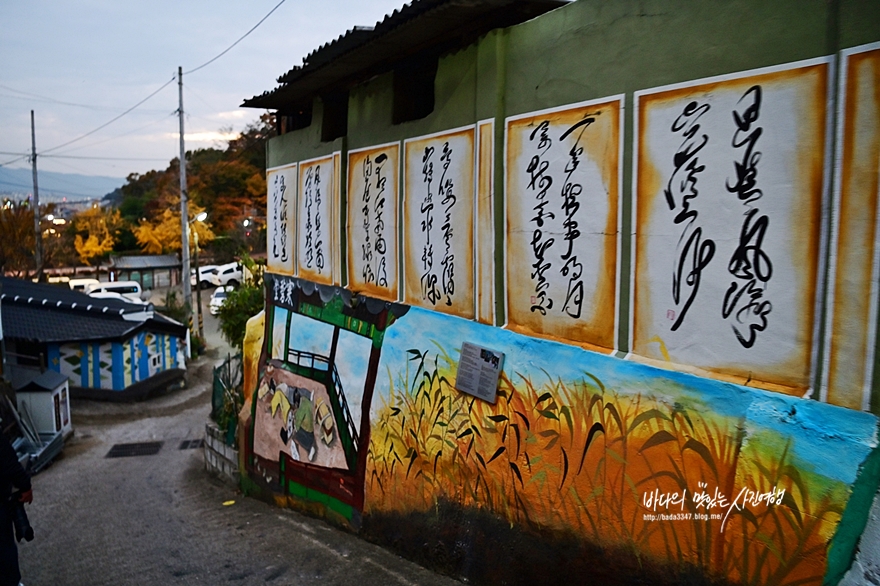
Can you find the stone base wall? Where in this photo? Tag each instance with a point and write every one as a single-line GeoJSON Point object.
{"type": "Point", "coordinates": [220, 459]}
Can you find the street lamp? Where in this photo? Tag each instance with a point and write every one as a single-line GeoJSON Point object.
{"type": "Point", "coordinates": [199, 218]}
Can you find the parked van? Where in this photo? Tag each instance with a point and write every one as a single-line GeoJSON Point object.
{"type": "Point", "coordinates": [130, 289]}
{"type": "Point", "coordinates": [82, 284]}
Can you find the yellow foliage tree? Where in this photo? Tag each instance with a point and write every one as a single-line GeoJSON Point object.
{"type": "Point", "coordinates": [96, 232]}
{"type": "Point", "coordinates": [162, 235]}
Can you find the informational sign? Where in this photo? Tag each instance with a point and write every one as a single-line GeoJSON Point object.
{"type": "Point", "coordinates": [316, 219]}
{"type": "Point", "coordinates": [438, 222]}
{"type": "Point", "coordinates": [563, 173]}
{"type": "Point", "coordinates": [729, 190]}
{"type": "Point", "coordinates": [372, 220]}
{"type": "Point", "coordinates": [855, 257]}
{"type": "Point", "coordinates": [478, 371]}
{"type": "Point", "coordinates": [281, 218]}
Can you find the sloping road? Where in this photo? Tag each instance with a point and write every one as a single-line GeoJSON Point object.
{"type": "Point", "coordinates": [161, 519]}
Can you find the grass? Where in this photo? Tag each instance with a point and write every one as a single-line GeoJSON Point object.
{"type": "Point", "coordinates": [577, 456]}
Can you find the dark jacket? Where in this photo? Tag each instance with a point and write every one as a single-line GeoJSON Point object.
{"type": "Point", "coordinates": [12, 475]}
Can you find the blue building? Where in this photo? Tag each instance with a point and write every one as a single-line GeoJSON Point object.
{"type": "Point", "coordinates": [107, 348]}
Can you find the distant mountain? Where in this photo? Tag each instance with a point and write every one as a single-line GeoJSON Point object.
{"type": "Point", "coordinates": [56, 187]}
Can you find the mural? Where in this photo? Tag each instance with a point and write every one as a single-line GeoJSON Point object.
{"type": "Point", "coordinates": [580, 450]}
{"type": "Point", "coordinates": [855, 261]}
{"type": "Point", "coordinates": [689, 471]}
{"type": "Point", "coordinates": [317, 214]}
{"type": "Point", "coordinates": [316, 375]}
{"type": "Point", "coordinates": [281, 204]}
{"type": "Point", "coordinates": [484, 234]}
{"type": "Point", "coordinates": [438, 221]}
{"type": "Point", "coordinates": [114, 366]}
{"type": "Point", "coordinates": [563, 173]}
{"type": "Point", "coordinates": [372, 220]}
{"type": "Point", "coordinates": [729, 193]}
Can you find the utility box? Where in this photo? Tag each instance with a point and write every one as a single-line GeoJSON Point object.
{"type": "Point", "coordinates": [43, 401]}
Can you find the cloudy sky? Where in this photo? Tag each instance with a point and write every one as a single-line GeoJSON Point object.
{"type": "Point", "coordinates": [79, 64]}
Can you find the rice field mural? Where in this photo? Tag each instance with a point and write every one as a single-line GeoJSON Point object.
{"type": "Point", "coordinates": [645, 468]}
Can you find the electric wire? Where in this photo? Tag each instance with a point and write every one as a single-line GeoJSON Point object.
{"type": "Point", "coordinates": [236, 42]}
{"type": "Point", "coordinates": [163, 86]}
{"type": "Point", "coordinates": [55, 148]}
{"type": "Point", "coordinates": [118, 136]}
{"type": "Point", "coordinates": [14, 160]}
{"type": "Point", "coordinates": [103, 158]}
{"type": "Point", "coordinates": [53, 100]}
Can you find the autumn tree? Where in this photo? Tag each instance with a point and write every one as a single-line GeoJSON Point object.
{"type": "Point", "coordinates": [95, 230]}
{"type": "Point", "coordinates": [230, 183]}
{"type": "Point", "coordinates": [16, 239]}
{"type": "Point", "coordinates": [163, 234]}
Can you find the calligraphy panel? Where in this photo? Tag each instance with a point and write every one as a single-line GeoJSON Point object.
{"type": "Point", "coordinates": [484, 233]}
{"type": "Point", "coordinates": [729, 189]}
{"type": "Point", "coordinates": [316, 214]}
{"type": "Point", "coordinates": [281, 184]}
{"type": "Point", "coordinates": [563, 173]}
{"type": "Point", "coordinates": [372, 220]}
{"type": "Point", "coordinates": [855, 257]}
{"type": "Point", "coordinates": [438, 222]}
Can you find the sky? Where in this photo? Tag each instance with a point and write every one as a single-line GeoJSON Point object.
{"type": "Point", "coordinates": [79, 64]}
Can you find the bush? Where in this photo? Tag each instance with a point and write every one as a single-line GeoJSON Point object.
{"type": "Point", "coordinates": [240, 305]}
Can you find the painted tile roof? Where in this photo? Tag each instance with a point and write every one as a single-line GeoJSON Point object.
{"type": "Point", "coordinates": [421, 26]}
{"type": "Point", "coordinates": [47, 324]}
{"type": "Point", "coordinates": [54, 313]}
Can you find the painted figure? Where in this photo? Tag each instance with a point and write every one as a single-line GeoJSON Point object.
{"type": "Point", "coordinates": [300, 428]}
{"type": "Point", "coordinates": [304, 421]}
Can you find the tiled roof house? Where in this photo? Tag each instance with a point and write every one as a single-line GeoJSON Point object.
{"type": "Point", "coordinates": [108, 348]}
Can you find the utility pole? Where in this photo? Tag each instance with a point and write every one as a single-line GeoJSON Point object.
{"type": "Point", "coordinates": [184, 214]}
{"type": "Point", "coordinates": [38, 233]}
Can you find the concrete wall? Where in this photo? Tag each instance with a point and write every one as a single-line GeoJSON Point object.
{"type": "Point", "coordinates": [707, 422]}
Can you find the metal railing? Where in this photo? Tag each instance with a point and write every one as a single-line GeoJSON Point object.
{"type": "Point", "coordinates": [319, 363]}
{"type": "Point", "coordinates": [226, 398]}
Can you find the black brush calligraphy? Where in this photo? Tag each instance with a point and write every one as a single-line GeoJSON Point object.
{"type": "Point", "coordinates": [750, 266]}
{"type": "Point", "coordinates": [693, 251]}
{"type": "Point", "coordinates": [540, 182]}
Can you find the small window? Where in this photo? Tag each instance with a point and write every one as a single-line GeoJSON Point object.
{"type": "Point", "coordinates": [414, 90]}
{"type": "Point", "coordinates": [298, 118]}
{"type": "Point", "coordinates": [335, 121]}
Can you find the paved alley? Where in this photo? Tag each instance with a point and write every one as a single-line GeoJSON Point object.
{"type": "Point", "coordinates": [162, 519]}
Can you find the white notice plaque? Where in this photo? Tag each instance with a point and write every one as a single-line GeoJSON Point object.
{"type": "Point", "coordinates": [478, 371]}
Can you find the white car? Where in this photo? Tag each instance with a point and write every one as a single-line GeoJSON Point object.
{"type": "Point", "coordinates": [130, 289]}
{"type": "Point", "coordinates": [117, 296]}
{"type": "Point", "coordinates": [228, 274]}
{"type": "Point", "coordinates": [205, 274]}
{"type": "Point", "coordinates": [218, 298]}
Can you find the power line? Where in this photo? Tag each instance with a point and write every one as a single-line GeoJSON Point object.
{"type": "Point", "coordinates": [118, 136]}
{"type": "Point", "coordinates": [14, 160]}
{"type": "Point", "coordinates": [104, 158]}
{"type": "Point", "coordinates": [53, 100]}
{"type": "Point", "coordinates": [43, 153]}
{"type": "Point", "coordinates": [111, 121]}
{"type": "Point", "coordinates": [49, 190]}
{"type": "Point", "coordinates": [236, 42]}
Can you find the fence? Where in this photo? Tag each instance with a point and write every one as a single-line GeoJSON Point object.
{"type": "Point", "coordinates": [227, 396]}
